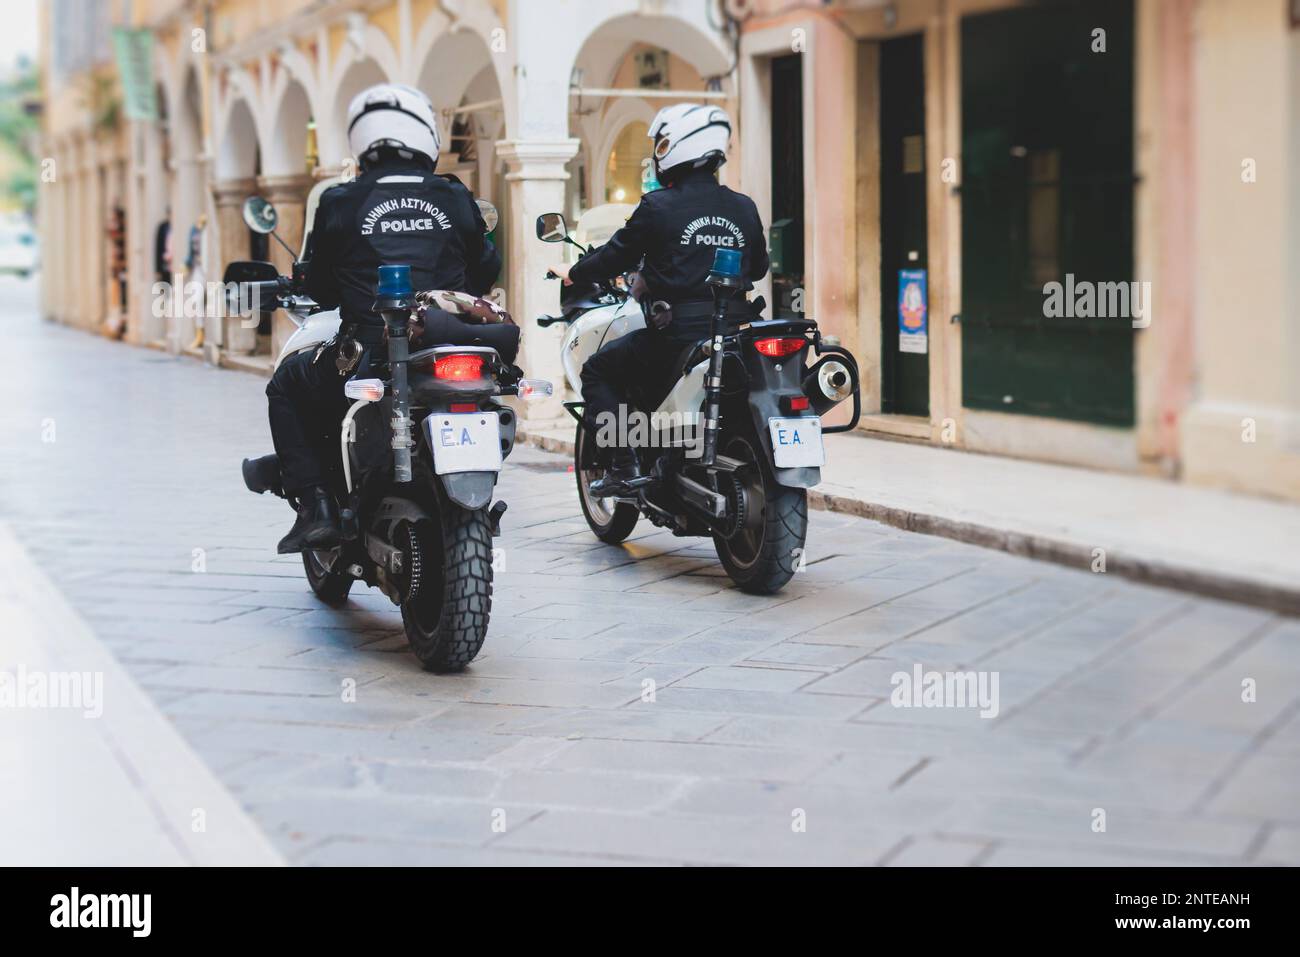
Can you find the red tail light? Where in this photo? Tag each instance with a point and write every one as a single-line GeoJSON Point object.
{"type": "Point", "coordinates": [459, 368]}
{"type": "Point", "coordinates": [779, 348]}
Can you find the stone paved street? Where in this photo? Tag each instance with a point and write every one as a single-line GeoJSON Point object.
{"type": "Point", "coordinates": [764, 712]}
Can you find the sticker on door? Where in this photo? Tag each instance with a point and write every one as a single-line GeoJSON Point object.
{"type": "Point", "coordinates": [913, 306]}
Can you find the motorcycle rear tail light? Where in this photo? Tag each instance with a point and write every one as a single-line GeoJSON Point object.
{"type": "Point", "coordinates": [779, 348]}
{"type": "Point", "coordinates": [459, 368]}
{"type": "Point", "coordinates": [797, 403]}
{"type": "Point", "coordinates": [464, 407]}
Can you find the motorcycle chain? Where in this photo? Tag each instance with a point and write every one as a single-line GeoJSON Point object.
{"type": "Point", "coordinates": [734, 492]}
{"type": "Point", "coordinates": [414, 563]}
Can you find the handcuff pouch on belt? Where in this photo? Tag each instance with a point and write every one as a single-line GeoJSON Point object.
{"type": "Point", "coordinates": [658, 314]}
{"type": "Point", "coordinates": [347, 354]}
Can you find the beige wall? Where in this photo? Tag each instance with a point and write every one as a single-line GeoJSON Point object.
{"type": "Point", "coordinates": [1215, 82]}
{"type": "Point", "coordinates": [1247, 253]}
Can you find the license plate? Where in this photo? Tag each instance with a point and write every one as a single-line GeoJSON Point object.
{"type": "Point", "coordinates": [464, 442]}
{"type": "Point", "coordinates": [797, 443]}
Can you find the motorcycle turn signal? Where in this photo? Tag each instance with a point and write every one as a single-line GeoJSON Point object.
{"type": "Point", "coordinates": [534, 388]}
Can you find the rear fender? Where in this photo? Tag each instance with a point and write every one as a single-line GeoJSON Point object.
{"type": "Point", "coordinates": [471, 490]}
{"type": "Point", "coordinates": [769, 382]}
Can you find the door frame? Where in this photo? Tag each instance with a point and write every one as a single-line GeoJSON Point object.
{"type": "Point", "coordinates": [830, 153]}
{"type": "Point", "coordinates": [942, 84]}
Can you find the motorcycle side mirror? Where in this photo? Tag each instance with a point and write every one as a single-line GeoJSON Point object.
{"type": "Point", "coordinates": [250, 270]}
{"type": "Point", "coordinates": [551, 228]}
{"type": "Point", "coordinates": [489, 213]}
{"type": "Point", "coordinates": [260, 216]}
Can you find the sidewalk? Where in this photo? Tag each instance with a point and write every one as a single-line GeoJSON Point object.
{"type": "Point", "coordinates": [119, 789]}
{"type": "Point", "coordinates": [1214, 543]}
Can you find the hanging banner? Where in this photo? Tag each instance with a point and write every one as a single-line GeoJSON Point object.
{"type": "Point", "coordinates": [133, 50]}
{"type": "Point", "coordinates": [913, 307]}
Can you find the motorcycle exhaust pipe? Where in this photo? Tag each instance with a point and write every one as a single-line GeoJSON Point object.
{"type": "Point", "coordinates": [828, 383]}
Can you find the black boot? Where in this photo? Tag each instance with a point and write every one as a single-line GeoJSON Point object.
{"type": "Point", "coordinates": [622, 477]}
{"type": "Point", "coordinates": [317, 525]}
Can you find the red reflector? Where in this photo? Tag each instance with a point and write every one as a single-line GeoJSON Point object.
{"type": "Point", "coordinates": [798, 403]}
{"type": "Point", "coordinates": [779, 348]}
{"type": "Point", "coordinates": [472, 407]}
{"type": "Point", "coordinates": [459, 368]}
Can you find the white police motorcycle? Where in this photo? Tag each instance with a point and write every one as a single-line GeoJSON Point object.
{"type": "Point", "coordinates": [420, 451]}
{"type": "Point", "coordinates": [734, 447]}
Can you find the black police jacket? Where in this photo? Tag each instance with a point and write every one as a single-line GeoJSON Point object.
{"type": "Point", "coordinates": [676, 231]}
{"type": "Point", "coordinates": [392, 214]}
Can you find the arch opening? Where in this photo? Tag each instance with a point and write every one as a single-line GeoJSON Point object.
{"type": "Point", "coordinates": [238, 155]}
{"type": "Point", "coordinates": [287, 151]}
{"type": "Point", "coordinates": [672, 60]}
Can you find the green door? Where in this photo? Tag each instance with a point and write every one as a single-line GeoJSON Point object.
{"type": "Point", "coordinates": [1047, 190]}
{"type": "Point", "coordinates": [905, 368]}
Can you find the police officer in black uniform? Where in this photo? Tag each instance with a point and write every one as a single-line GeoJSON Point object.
{"type": "Point", "coordinates": [397, 211]}
{"type": "Point", "coordinates": [672, 236]}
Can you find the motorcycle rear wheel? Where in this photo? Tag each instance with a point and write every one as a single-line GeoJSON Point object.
{"type": "Point", "coordinates": [446, 620]}
{"type": "Point", "coordinates": [762, 555]}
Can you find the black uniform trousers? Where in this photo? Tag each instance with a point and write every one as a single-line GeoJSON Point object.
{"type": "Point", "coordinates": [637, 371]}
{"type": "Point", "coordinates": [630, 372]}
{"type": "Point", "coordinates": [306, 405]}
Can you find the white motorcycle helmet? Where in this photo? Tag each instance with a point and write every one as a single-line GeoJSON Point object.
{"type": "Point", "coordinates": [393, 116]}
{"type": "Point", "coordinates": [689, 136]}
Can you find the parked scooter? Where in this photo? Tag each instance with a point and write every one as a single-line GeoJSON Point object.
{"type": "Point", "coordinates": [737, 442]}
{"type": "Point", "coordinates": [420, 450]}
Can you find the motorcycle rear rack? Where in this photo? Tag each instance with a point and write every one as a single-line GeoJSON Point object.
{"type": "Point", "coordinates": [823, 349]}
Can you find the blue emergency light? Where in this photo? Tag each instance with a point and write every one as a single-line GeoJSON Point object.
{"type": "Point", "coordinates": [394, 282]}
{"type": "Point", "coordinates": [726, 262]}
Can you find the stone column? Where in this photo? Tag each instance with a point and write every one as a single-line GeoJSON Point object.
{"type": "Point", "coordinates": [52, 198]}
{"type": "Point", "coordinates": [239, 335]}
{"type": "Point", "coordinates": [289, 196]}
{"type": "Point", "coordinates": [76, 240]}
{"type": "Point", "coordinates": [151, 198]}
{"type": "Point", "coordinates": [535, 184]}
{"type": "Point", "coordinates": [187, 204]}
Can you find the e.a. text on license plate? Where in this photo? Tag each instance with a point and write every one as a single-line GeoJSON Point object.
{"type": "Point", "coordinates": [797, 443]}
{"type": "Point", "coordinates": [464, 442]}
